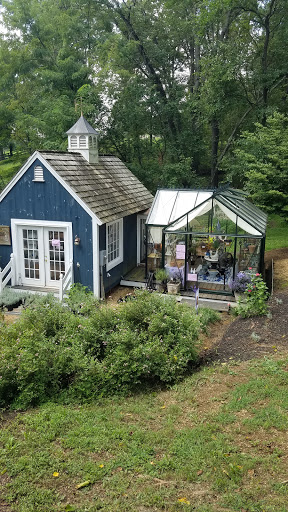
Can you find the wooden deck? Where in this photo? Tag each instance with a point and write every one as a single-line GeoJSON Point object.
{"type": "Point", "coordinates": [136, 274]}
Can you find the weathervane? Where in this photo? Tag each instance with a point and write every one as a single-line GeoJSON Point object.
{"type": "Point", "coordinates": [77, 105]}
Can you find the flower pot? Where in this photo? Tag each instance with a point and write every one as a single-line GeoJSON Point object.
{"type": "Point", "coordinates": [173, 288]}
{"type": "Point", "coordinates": [251, 248]}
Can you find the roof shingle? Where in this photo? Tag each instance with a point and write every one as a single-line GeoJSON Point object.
{"type": "Point", "coordinates": [108, 188]}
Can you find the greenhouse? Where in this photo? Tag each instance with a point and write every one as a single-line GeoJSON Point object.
{"type": "Point", "coordinates": [203, 238]}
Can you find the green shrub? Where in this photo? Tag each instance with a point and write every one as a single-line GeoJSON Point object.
{"type": "Point", "coordinates": [41, 354]}
{"type": "Point", "coordinates": [81, 300]}
{"type": "Point", "coordinates": [53, 352]}
{"type": "Point", "coordinates": [255, 302]}
{"type": "Point", "coordinates": [11, 298]}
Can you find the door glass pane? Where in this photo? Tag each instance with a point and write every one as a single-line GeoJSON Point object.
{"type": "Point", "coordinates": [31, 256]}
{"type": "Point", "coordinates": [56, 254]}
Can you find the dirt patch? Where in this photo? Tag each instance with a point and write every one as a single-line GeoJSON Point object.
{"type": "Point", "coordinates": [276, 254]}
{"type": "Point", "coordinates": [12, 316]}
{"type": "Point", "coordinates": [280, 259]}
{"type": "Point", "coordinates": [248, 338]}
{"type": "Point", "coordinates": [118, 295]}
{"type": "Point", "coordinates": [4, 481]}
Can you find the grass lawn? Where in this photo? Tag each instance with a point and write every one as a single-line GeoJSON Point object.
{"type": "Point", "coordinates": [277, 233]}
{"type": "Point", "coordinates": [9, 167]}
{"type": "Point", "coordinates": [216, 442]}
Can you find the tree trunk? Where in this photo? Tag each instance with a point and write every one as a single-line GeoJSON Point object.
{"type": "Point", "coordinates": [214, 152]}
{"type": "Point", "coordinates": [264, 69]}
{"type": "Point", "coordinates": [265, 89]}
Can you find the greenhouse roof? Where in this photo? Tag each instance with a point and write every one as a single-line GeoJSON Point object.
{"type": "Point", "coordinates": [172, 209]}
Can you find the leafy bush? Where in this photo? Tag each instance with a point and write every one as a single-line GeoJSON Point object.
{"type": "Point", "coordinates": [41, 353]}
{"type": "Point", "coordinates": [81, 300]}
{"type": "Point", "coordinates": [255, 302]}
{"type": "Point", "coordinates": [11, 298]}
{"type": "Point", "coordinates": [53, 352]}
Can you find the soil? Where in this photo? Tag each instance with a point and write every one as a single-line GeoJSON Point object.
{"type": "Point", "coordinates": [280, 259]}
{"type": "Point", "coordinates": [256, 337]}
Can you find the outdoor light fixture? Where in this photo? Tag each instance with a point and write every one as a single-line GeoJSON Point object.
{"type": "Point", "coordinates": [76, 240]}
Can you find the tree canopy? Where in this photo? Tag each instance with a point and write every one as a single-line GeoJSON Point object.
{"type": "Point", "coordinates": [170, 84]}
{"type": "Point", "coordinates": [260, 163]}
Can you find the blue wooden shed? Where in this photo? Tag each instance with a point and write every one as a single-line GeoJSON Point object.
{"type": "Point", "coordinates": [72, 216]}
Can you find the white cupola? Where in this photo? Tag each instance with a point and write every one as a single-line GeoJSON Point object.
{"type": "Point", "coordinates": [82, 138]}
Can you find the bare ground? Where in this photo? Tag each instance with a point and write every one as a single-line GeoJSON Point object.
{"type": "Point", "coordinates": [249, 338]}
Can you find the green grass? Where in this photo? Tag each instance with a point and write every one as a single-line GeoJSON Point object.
{"type": "Point", "coordinates": [277, 233]}
{"type": "Point", "coordinates": [9, 167]}
{"type": "Point", "coordinates": [216, 442]}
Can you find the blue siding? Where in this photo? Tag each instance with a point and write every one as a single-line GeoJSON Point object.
{"type": "Point", "coordinates": [50, 201]}
{"type": "Point", "coordinates": [129, 252]}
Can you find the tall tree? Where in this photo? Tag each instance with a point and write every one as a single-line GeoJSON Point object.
{"type": "Point", "coordinates": [169, 82]}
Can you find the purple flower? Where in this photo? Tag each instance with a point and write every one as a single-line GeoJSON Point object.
{"type": "Point", "coordinates": [240, 282]}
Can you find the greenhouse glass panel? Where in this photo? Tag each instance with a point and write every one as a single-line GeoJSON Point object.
{"type": "Point", "coordinates": [175, 254]}
{"type": "Point", "coordinates": [248, 254]}
{"type": "Point", "coordinates": [154, 247]}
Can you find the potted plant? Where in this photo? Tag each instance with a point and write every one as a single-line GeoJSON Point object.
{"type": "Point", "coordinates": [240, 284]}
{"type": "Point", "coordinates": [173, 286]}
{"type": "Point", "coordinates": [216, 243]}
{"type": "Point", "coordinates": [161, 280]}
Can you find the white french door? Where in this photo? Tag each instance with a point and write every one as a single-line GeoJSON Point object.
{"type": "Point", "coordinates": [55, 255]}
{"type": "Point", "coordinates": [42, 254]}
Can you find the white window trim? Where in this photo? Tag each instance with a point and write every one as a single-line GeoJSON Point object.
{"type": "Point", "coordinates": [119, 259]}
{"type": "Point", "coordinates": [139, 218]}
{"type": "Point", "coordinates": [56, 176]}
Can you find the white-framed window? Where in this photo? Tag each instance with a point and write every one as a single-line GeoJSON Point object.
{"type": "Point", "coordinates": [38, 173]}
{"type": "Point", "coordinates": [114, 243]}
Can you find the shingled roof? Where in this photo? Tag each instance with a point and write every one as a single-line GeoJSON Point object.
{"type": "Point", "coordinates": [108, 188]}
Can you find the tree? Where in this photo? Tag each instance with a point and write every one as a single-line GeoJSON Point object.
{"type": "Point", "coordinates": [169, 83]}
{"type": "Point", "coordinates": [260, 164]}
{"type": "Point", "coordinates": [46, 60]}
